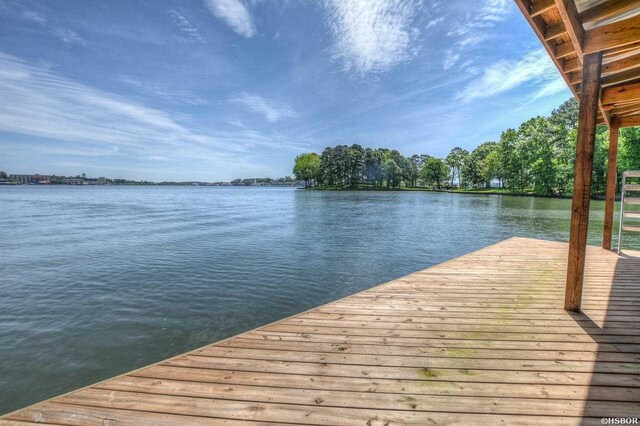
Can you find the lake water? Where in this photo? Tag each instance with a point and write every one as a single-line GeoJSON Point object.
{"type": "Point", "coordinates": [96, 281]}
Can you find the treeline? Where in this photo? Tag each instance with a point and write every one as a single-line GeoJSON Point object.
{"type": "Point", "coordinates": [535, 158]}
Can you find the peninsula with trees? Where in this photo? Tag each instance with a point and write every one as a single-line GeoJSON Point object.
{"type": "Point", "coordinates": [535, 159]}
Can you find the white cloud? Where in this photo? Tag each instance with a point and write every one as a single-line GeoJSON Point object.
{"type": "Point", "coordinates": [434, 22]}
{"type": "Point", "coordinates": [372, 36]}
{"type": "Point", "coordinates": [489, 14]}
{"type": "Point", "coordinates": [40, 103]}
{"type": "Point", "coordinates": [451, 59]}
{"type": "Point", "coordinates": [535, 68]}
{"type": "Point", "coordinates": [190, 33]}
{"type": "Point", "coordinates": [164, 92]}
{"type": "Point", "coordinates": [64, 34]}
{"type": "Point", "coordinates": [68, 36]}
{"type": "Point", "coordinates": [550, 88]}
{"type": "Point", "coordinates": [235, 14]}
{"type": "Point", "coordinates": [34, 16]}
{"type": "Point", "coordinates": [270, 110]}
{"type": "Point", "coordinates": [473, 29]}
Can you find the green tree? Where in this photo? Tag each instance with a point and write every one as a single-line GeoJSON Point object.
{"type": "Point", "coordinates": [536, 151]}
{"type": "Point", "coordinates": [564, 126]}
{"type": "Point", "coordinates": [434, 171]}
{"type": "Point", "coordinates": [600, 161]}
{"type": "Point", "coordinates": [356, 164]}
{"type": "Point", "coordinates": [455, 160]}
{"type": "Point", "coordinates": [473, 166]}
{"type": "Point", "coordinates": [512, 163]}
{"type": "Point", "coordinates": [3, 175]}
{"type": "Point", "coordinates": [491, 168]}
{"type": "Point", "coordinates": [307, 168]}
{"type": "Point", "coordinates": [392, 173]}
{"type": "Point", "coordinates": [372, 167]}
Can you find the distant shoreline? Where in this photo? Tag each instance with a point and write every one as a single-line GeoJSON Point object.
{"type": "Point", "coordinates": [12, 184]}
{"type": "Point", "coordinates": [492, 191]}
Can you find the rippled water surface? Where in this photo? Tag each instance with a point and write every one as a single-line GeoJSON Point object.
{"type": "Point", "coordinates": [96, 281]}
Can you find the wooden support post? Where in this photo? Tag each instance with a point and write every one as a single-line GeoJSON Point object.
{"type": "Point", "coordinates": [612, 174]}
{"type": "Point", "coordinates": [587, 122]}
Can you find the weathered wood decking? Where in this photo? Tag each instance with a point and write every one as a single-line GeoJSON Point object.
{"type": "Point", "coordinates": [481, 339]}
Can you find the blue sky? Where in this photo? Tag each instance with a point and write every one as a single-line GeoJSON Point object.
{"type": "Point", "coordinates": [218, 89]}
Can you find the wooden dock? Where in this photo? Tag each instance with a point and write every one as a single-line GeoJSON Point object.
{"type": "Point", "coordinates": [481, 339]}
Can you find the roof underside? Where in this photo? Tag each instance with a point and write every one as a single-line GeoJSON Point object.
{"type": "Point", "coordinates": [569, 29]}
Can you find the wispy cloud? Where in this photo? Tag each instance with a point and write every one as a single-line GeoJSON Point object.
{"type": "Point", "coordinates": [66, 35]}
{"type": "Point", "coordinates": [40, 103]}
{"type": "Point", "coordinates": [272, 111]}
{"type": "Point", "coordinates": [82, 151]}
{"type": "Point", "coordinates": [235, 14]}
{"type": "Point", "coordinates": [533, 69]}
{"type": "Point", "coordinates": [190, 34]}
{"type": "Point", "coordinates": [32, 15]}
{"type": "Point", "coordinates": [372, 36]}
{"type": "Point", "coordinates": [488, 15]}
{"type": "Point", "coordinates": [473, 29]}
{"type": "Point", "coordinates": [434, 22]}
{"type": "Point", "coordinates": [164, 92]}
{"type": "Point", "coordinates": [450, 59]}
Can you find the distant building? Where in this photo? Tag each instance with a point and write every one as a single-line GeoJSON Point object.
{"type": "Point", "coordinates": [72, 181]}
{"type": "Point", "coordinates": [29, 179]}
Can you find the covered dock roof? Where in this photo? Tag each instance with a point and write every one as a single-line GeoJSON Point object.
{"type": "Point", "coordinates": [570, 29]}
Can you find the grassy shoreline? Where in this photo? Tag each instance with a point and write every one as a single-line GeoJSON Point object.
{"type": "Point", "coordinates": [475, 191]}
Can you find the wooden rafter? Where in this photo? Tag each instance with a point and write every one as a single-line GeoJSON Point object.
{"type": "Point", "coordinates": [622, 49]}
{"type": "Point", "coordinates": [554, 31]}
{"type": "Point", "coordinates": [630, 121]}
{"type": "Point", "coordinates": [629, 92]}
{"type": "Point", "coordinates": [621, 64]}
{"type": "Point", "coordinates": [538, 7]}
{"type": "Point", "coordinates": [607, 9]}
{"type": "Point", "coordinates": [621, 77]}
{"type": "Point", "coordinates": [614, 35]}
{"type": "Point", "coordinates": [564, 49]}
{"type": "Point", "coordinates": [626, 110]}
{"type": "Point", "coordinates": [569, 15]}
{"type": "Point", "coordinates": [571, 65]}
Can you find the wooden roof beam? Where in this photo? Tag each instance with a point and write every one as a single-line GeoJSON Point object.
{"type": "Point", "coordinates": [631, 121]}
{"type": "Point", "coordinates": [626, 110]}
{"type": "Point", "coordinates": [575, 77]}
{"type": "Point", "coordinates": [570, 65]}
{"type": "Point", "coordinates": [538, 7]}
{"type": "Point", "coordinates": [612, 53]}
{"type": "Point", "coordinates": [608, 9]}
{"type": "Point", "coordinates": [569, 15]}
{"type": "Point", "coordinates": [564, 49]}
{"type": "Point", "coordinates": [623, 64]}
{"type": "Point", "coordinates": [605, 114]}
{"type": "Point", "coordinates": [611, 36]}
{"type": "Point", "coordinates": [629, 92]}
{"type": "Point", "coordinates": [624, 76]}
{"type": "Point", "coordinates": [610, 80]}
{"type": "Point", "coordinates": [554, 31]}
